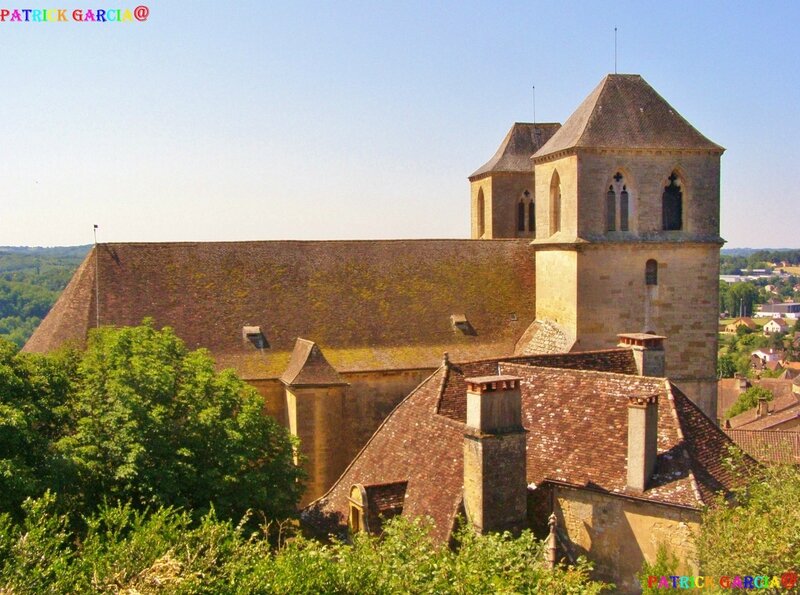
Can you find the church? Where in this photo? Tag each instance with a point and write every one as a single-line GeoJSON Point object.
{"type": "Point", "coordinates": [605, 225]}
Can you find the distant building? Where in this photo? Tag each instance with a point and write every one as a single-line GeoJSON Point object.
{"type": "Point", "coordinates": [779, 310]}
{"type": "Point", "coordinates": [775, 326]}
{"type": "Point", "coordinates": [745, 321]}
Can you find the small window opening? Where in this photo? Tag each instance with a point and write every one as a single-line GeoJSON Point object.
{"type": "Point", "coordinates": [651, 272]}
{"type": "Point", "coordinates": [611, 209]}
{"type": "Point", "coordinates": [555, 204]}
{"type": "Point", "coordinates": [672, 205]}
{"type": "Point", "coordinates": [481, 207]}
{"type": "Point", "coordinates": [521, 216]}
{"type": "Point", "coordinates": [623, 209]}
{"type": "Point", "coordinates": [254, 335]}
{"type": "Point", "coordinates": [532, 217]}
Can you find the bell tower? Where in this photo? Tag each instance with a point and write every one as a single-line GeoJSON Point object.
{"type": "Point", "coordinates": [627, 229]}
{"type": "Point", "coordinates": [502, 197]}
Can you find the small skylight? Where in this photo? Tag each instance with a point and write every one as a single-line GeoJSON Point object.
{"type": "Point", "coordinates": [254, 335]}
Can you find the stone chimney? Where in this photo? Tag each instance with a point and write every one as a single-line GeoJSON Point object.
{"type": "Point", "coordinates": [648, 351]}
{"type": "Point", "coordinates": [762, 409]}
{"type": "Point", "coordinates": [642, 440]}
{"type": "Point", "coordinates": [495, 482]}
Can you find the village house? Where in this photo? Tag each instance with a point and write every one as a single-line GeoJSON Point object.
{"type": "Point", "coordinates": [744, 321]}
{"type": "Point", "coordinates": [775, 326]}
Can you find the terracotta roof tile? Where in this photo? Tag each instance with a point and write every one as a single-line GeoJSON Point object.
{"type": "Point", "coordinates": [769, 446]}
{"type": "Point", "coordinates": [577, 434]}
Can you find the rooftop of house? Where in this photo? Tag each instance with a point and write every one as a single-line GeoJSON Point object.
{"type": "Point", "coordinates": [574, 408]}
{"type": "Point", "coordinates": [650, 122]}
{"type": "Point", "coordinates": [371, 305]}
{"type": "Point", "coordinates": [780, 410]}
{"type": "Point", "coordinates": [769, 446]}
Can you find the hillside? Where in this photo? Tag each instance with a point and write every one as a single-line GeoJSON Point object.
{"type": "Point", "coordinates": [31, 279]}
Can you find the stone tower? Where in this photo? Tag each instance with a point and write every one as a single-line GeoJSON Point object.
{"type": "Point", "coordinates": [627, 230]}
{"type": "Point", "coordinates": [502, 204]}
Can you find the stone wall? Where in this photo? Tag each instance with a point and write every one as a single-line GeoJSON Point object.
{"type": "Point", "coordinates": [618, 534]}
{"type": "Point", "coordinates": [334, 427]}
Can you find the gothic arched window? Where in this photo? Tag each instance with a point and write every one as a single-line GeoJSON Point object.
{"type": "Point", "coordinates": [532, 217]}
{"type": "Point", "coordinates": [611, 209]}
{"type": "Point", "coordinates": [481, 207]}
{"type": "Point", "coordinates": [520, 216]}
{"type": "Point", "coordinates": [672, 205]}
{"type": "Point", "coordinates": [555, 204]}
{"type": "Point", "coordinates": [623, 209]}
{"type": "Point", "coordinates": [651, 272]}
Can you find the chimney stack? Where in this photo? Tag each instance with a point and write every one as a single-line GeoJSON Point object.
{"type": "Point", "coordinates": [642, 440]}
{"type": "Point", "coordinates": [648, 351]}
{"type": "Point", "coordinates": [495, 481]}
{"type": "Point", "coordinates": [762, 409]}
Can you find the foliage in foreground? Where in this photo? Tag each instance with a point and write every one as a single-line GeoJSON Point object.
{"type": "Point", "coordinates": [166, 552]}
{"type": "Point", "coordinates": [759, 531]}
{"type": "Point", "coordinates": [139, 418]}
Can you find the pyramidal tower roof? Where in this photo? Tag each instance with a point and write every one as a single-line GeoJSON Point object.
{"type": "Point", "coordinates": [517, 148]}
{"type": "Point", "coordinates": [308, 367]}
{"type": "Point", "coordinates": [624, 112]}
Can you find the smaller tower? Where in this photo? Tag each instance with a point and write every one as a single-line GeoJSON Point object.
{"type": "Point", "coordinates": [503, 204]}
{"type": "Point", "coordinates": [495, 486]}
{"type": "Point", "coordinates": [315, 400]}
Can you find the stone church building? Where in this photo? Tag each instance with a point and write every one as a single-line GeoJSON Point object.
{"type": "Point", "coordinates": [608, 224]}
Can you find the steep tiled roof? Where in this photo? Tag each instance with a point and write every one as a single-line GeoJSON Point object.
{"type": "Point", "coordinates": [517, 148]}
{"type": "Point", "coordinates": [577, 434]}
{"type": "Point", "coordinates": [368, 304]}
{"type": "Point", "coordinates": [769, 446]}
{"type": "Point", "coordinates": [308, 367]}
{"type": "Point", "coordinates": [624, 112]}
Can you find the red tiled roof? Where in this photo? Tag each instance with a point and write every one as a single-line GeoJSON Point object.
{"type": "Point", "coordinates": [769, 446]}
{"type": "Point", "coordinates": [368, 304]}
{"type": "Point", "coordinates": [577, 434]}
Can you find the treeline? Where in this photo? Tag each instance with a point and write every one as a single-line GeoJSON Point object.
{"type": "Point", "coordinates": [732, 264]}
{"type": "Point", "coordinates": [31, 280]}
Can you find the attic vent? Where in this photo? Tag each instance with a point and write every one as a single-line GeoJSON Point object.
{"type": "Point", "coordinates": [255, 336]}
{"type": "Point", "coordinates": [460, 323]}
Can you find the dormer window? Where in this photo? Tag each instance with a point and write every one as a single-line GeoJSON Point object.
{"type": "Point", "coordinates": [254, 335]}
{"type": "Point", "coordinates": [460, 323]}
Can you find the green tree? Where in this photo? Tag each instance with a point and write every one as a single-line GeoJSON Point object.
{"type": "Point", "coordinates": [749, 399]}
{"type": "Point", "coordinates": [726, 366]}
{"type": "Point", "coordinates": [741, 298]}
{"type": "Point", "coordinates": [166, 551]}
{"type": "Point", "coordinates": [154, 424]}
{"type": "Point", "coordinates": [758, 530]}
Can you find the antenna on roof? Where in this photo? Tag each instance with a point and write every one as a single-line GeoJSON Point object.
{"type": "Point", "coordinates": [615, 50]}
{"type": "Point", "coordinates": [534, 104]}
{"type": "Point", "coordinates": [96, 280]}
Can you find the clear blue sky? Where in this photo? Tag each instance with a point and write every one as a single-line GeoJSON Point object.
{"type": "Point", "coordinates": [296, 120]}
